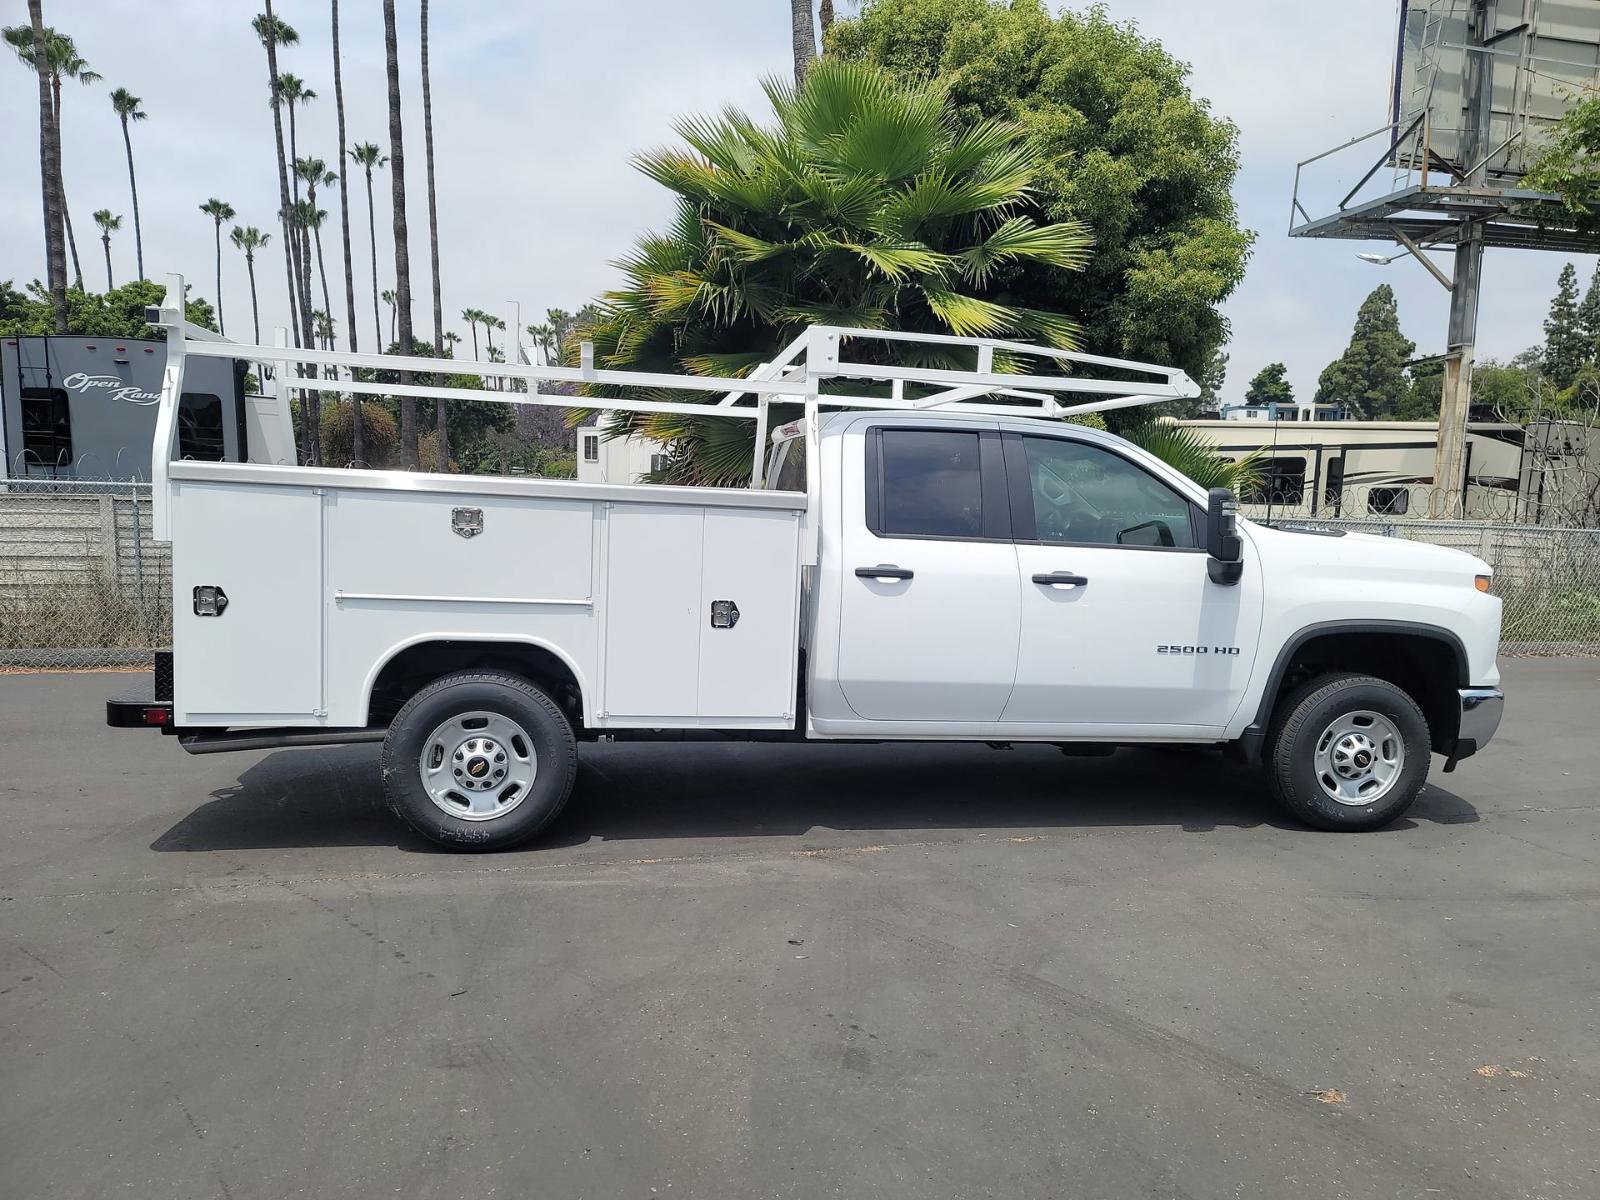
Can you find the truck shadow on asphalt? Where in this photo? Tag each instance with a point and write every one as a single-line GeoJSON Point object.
{"type": "Point", "coordinates": [333, 797]}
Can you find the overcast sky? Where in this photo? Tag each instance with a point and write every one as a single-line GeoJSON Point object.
{"type": "Point", "coordinates": [538, 106]}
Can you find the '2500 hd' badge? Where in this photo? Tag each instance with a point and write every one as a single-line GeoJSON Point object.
{"type": "Point", "coordinates": [1197, 649]}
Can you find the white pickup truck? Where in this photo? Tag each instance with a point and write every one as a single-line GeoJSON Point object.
{"type": "Point", "coordinates": [932, 563]}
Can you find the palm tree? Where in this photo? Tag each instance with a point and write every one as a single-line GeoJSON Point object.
{"type": "Point", "coordinates": [864, 205]}
{"type": "Point", "coordinates": [344, 214]}
{"type": "Point", "coordinates": [249, 239]}
{"type": "Point", "coordinates": [490, 324]}
{"type": "Point", "coordinates": [49, 171]}
{"type": "Point", "coordinates": [472, 316]}
{"type": "Point", "coordinates": [65, 63]}
{"type": "Point", "coordinates": [126, 105]}
{"type": "Point", "coordinates": [273, 33]}
{"type": "Point", "coordinates": [219, 211]}
{"type": "Point", "coordinates": [324, 326]}
{"type": "Point", "coordinates": [804, 36]}
{"type": "Point", "coordinates": [440, 421]}
{"type": "Point", "coordinates": [367, 155]}
{"type": "Point", "coordinates": [293, 91]}
{"type": "Point", "coordinates": [314, 171]}
{"type": "Point", "coordinates": [402, 240]}
{"type": "Point", "coordinates": [389, 299]}
{"type": "Point", "coordinates": [109, 224]}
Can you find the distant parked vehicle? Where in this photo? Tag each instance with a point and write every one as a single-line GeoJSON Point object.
{"type": "Point", "coordinates": [74, 407]}
{"type": "Point", "coordinates": [1541, 473]}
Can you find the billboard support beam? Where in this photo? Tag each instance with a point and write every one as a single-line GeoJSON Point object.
{"type": "Point", "coordinates": [1455, 399]}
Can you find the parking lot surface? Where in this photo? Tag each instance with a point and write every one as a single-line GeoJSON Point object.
{"type": "Point", "coordinates": [751, 971]}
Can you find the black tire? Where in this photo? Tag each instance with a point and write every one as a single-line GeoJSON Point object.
{"type": "Point", "coordinates": [555, 758]}
{"type": "Point", "coordinates": [1306, 714]}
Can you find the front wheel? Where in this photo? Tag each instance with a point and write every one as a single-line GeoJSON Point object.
{"type": "Point", "coordinates": [479, 760]}
{"type": "Point", "coordinates": [1348, 752]}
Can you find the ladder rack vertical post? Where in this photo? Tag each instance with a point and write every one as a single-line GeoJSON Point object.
{"type": "Point", "coordinates": [171, 314]}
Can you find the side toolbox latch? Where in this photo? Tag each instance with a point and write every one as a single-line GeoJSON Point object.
{"type": "Point", "coordinates": [210, 600]}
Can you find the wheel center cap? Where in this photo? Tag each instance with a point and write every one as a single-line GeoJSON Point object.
{"type": "Point", "coordinates": [478, 767]}
{"type": "Point", "coordinates": [1363, 759]}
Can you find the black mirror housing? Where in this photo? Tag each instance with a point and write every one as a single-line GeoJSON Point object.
{"type": "Point", "coordinates": [1224, 546]}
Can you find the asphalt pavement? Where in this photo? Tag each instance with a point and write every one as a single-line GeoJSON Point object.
{"type": "Point", "coordinates": [737, 971]}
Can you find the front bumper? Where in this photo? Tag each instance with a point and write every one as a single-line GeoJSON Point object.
{"type": "Point", "coordinates": [1480, 717]}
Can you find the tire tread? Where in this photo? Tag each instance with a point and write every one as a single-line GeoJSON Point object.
{"type": "Point", "coordinates": [567, 764]}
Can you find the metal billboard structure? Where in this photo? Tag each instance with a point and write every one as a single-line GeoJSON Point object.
{"type": "Point", "coordinates": [1477, 87]}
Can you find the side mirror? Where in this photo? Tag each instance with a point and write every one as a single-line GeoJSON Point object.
{"type": "Point", "coordinates": [1223, 544]}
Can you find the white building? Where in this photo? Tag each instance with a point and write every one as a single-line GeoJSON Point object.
{"type": "Point", "coordinates": [616, 460]}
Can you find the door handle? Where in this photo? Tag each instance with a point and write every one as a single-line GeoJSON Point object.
{"type": "Point", "coordinates": [883, 573]}
{"type": "Point", "coordinates": [1061, 579]}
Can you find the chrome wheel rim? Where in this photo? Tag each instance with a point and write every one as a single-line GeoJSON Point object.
{"type": "Point", "coordinates": [477, 766]}
{"type": "Point", "coordinates": [1359, 758]}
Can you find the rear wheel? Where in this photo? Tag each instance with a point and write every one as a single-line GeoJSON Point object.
{"type": "Point", "coordinates": [1348, 752]}
{"type": "Point", "coordinates": [479, 760]}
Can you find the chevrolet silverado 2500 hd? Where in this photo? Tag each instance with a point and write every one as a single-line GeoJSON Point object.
{"type": "Point", "coordinates": [933, 562]}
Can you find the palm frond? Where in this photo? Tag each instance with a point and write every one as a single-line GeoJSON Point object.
{"type": "Point", "coordinates": [1065, 245]}
{"type": "Point", "coordinates": [1190, 453]}
{"type": "Point", "coordinates": [969, 316]}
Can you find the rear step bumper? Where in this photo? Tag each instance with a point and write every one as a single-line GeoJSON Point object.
{"type": "Point", "coordinates": [138, 709]}
{"type": "Point", "coordinates": [148, 705]}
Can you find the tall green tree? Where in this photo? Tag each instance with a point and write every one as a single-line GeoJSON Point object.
{"type": "Point", "coordinates": [126, 105]}
{"type": "Point", "coordinates": [294, 93]}
{"type": "Point", "coordinates": [472, 316]}
{"type": "Point", "coordinates": [109, 223]}
{"type": "Point", "coordinates": [1566, 346]}
{"type": "Point", "coordinates": [1210, 379]}
{"type": "Point", "coordinates": [275, 32]}
{"type": "Point", "coordinates": [441, 425]}
{"type": "Point", "coordinates": [865, 203]}
{"type": "Point", "coordinates": [368, 156]}
{"type": "Point", "coordinates": [1119, 143]}
{"type": "Point", "coordinates": [1270, 386]}
{"type": "Point", "coordinates": [1369, 378]}
{"type": "Point", "coordinates": [65, 63]}
{"type": "Point", "coordinates": [1589, 313]}
{"type": "Point", "coordinates": [249, 239]}
{"type": "Point", "coordinates": [402, 235]}
{"type": "Point", "coordinates": [118, 312]}
{"type": "Point", "coordinates": [49, 171]}
{"type": "Point", "coordinates": [219, 211]}
{"type": "Point", "coordinates": [344, 200]}
{"type": "Point", "coordinates": [314, 173]}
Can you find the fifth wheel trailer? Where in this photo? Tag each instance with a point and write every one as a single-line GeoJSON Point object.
{"type": "Point", "coordinates": [84, 407]}
{"type": "Point", "coordinates": [948, 562]}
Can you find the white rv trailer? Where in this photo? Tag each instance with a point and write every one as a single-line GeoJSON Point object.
{"type": "Point", "coordinates": [1357, 469]}
{"type": "Point", "coordinates": [937, 564]}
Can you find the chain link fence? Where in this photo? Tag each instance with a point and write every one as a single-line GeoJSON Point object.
{"type": "Point", "coordinates": [82, 584]}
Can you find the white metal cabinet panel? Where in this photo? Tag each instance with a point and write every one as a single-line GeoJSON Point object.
{"type": "Point", "coordinates": [753, 559]}
{"type": "Point", "coordinates": [260, 662]}
{"type": "Point", "coordinates": [652, 610]}
{"type": "Point", "coordinates": [404, 544]}
{"type": "Point", "coordinates": [398, 574]}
